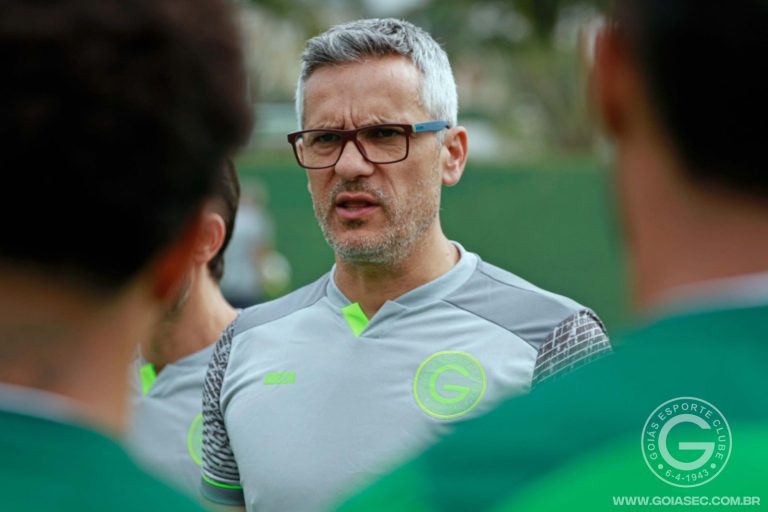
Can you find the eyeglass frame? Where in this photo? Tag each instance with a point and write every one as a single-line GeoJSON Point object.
{"type": "Point", "coordinates": [351, 135]}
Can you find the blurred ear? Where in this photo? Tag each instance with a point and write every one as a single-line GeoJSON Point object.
{"type": "Point", "coordinates": [454, 155]}
{"type": "Point", "coordinates": [172, 265]}
{"type": "Point", "coordinates": [211, 237]}
{"type": "Point", "coordinates": [611, 84]}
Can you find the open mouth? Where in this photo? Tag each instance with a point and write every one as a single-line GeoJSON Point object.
{"type": "Point", "coordinates": [353, 206]}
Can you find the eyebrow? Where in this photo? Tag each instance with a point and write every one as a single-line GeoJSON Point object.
{"type": "Point", "coordinates": [373, 122]}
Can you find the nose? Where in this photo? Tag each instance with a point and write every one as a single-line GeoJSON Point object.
{"type": "Point", "coordinates": [352, 164]}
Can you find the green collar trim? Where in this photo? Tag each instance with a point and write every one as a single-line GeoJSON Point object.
{"type": "Point", "coordinates": [148, 377]}
{"type": "Point", "coordinates": [355, 317]}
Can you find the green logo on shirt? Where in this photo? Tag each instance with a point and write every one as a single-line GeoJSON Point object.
{"type": "Point", "coordinates": [686, 442]}
{"type": "Point", "coordinates": [449, 384]}
{"type": "Point", "coordinates": [274, 378]}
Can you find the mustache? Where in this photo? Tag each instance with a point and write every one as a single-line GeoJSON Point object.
{"type": "Point", "coordinates": [358, 186]}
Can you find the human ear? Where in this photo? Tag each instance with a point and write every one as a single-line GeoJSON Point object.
{"type": "Point", "coordinates": [211, 238]}
{"type": "Point", "coordinates": [172, 264]}
{"type": "Point", "coordinates": [453, 155]}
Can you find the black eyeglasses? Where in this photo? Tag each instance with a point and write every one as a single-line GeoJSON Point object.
{"type": "Point", "coordinates": [379, 144]}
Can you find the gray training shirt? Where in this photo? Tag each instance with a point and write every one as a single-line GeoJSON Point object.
{"type": "Point", "coordinates": [309, 400]}
{"type": "Point", "coordinates": [166, 428]}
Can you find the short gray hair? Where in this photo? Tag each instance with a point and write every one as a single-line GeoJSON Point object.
{"type": "Point", "coordinates": [356, 40]}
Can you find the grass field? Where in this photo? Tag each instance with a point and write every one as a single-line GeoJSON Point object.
{"type": "Point", "coordinates": [549, 223]}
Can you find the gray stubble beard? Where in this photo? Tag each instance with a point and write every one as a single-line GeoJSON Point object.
{"type": "Point", "coordinates": [394, 243]}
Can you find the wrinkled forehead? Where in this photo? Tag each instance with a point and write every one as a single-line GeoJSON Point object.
{"type": "Point", "coordinates": [378, 89]}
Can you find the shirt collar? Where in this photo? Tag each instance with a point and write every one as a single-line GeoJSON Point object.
{"type": "Point", "coordinates": [725, 293]}
{"type": "Point", "coordinates": [41, 404]}
{"type": "Point", "coordinates": [428, 292]}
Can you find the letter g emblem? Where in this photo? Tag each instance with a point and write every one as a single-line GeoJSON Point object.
{"type": "Point", "coordinates": [449, 384]}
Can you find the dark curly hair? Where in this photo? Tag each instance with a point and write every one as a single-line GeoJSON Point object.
{"type": "Point", "coordinates": [115, 116]}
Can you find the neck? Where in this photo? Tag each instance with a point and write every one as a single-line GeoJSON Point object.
{"type": "Point", "coordinates": [66, 341]}
{"type": "Point", "coordinates": [716, 247]}
{"type": "Point", "coordinates": [682, 233]}
{"type": "Point", "coordinates": [196, 326]}
{"type": "Point", "coordinates": [371, 285]}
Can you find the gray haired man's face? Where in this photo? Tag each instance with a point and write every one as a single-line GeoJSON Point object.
{"type": "Point", "coordinates": [372, 213]}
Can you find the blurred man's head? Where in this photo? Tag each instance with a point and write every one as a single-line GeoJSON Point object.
{"type": "Point", "coordinates": [680, 86]}
{"type": "Point", "coordinates": [376, 198]}
{"type": "Point", "coordinates": [115, 117]}
{"type": "Point", "coordinates": [200, 285]}
{"type": "Point", "coordinates": [216, 225]}
{"type": "Point", "coordinates": [704, 67]}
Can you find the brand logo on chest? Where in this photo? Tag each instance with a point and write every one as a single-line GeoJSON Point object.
{"type": "Point", "coordinates": [449, 384]}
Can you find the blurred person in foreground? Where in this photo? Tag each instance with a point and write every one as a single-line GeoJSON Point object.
{"type": "Point", "coordinates": [409, 332]}
{"type": "Point", "coordinates": [166, 427]}
{"type": "Point", "coordinates": [115, 116]}
{"type": "Point", "coordinates": [678, 415]}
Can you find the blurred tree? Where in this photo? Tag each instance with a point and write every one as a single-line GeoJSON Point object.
{"type": "Point", "coordinates": [542, 14]}
{"type": "Point", "coordinates": [516, 61]}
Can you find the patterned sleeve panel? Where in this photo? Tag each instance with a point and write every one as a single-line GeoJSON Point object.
{"type": "Point", "coordinates": [574, 342]}
{"type": "Point", "coordinates": [220, 475]}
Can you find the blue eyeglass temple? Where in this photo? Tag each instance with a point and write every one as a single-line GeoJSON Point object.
{"type": "Point", "coordinates": [431, 126]}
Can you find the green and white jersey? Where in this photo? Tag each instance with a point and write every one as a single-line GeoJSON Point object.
{"type": "Point", "coordinates": [310, 399]}
{"type": "Point", "coordinates": [166, 428]}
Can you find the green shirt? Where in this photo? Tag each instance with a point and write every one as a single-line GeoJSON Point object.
{"type": "Point", "coordinates": [48, 465]}
{"type": "Point", "coordinates": [593, 438]}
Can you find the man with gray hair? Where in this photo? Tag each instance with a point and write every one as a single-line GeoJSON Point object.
{"type": "Point", "coordinates": [321, 390]}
